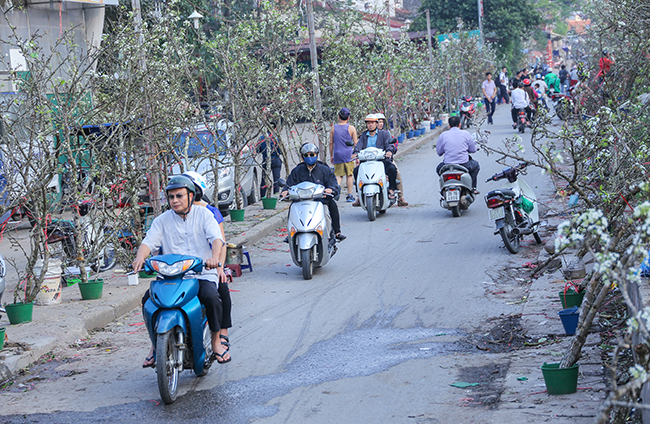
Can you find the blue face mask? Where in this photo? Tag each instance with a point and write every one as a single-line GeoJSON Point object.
{"type": "Point", "coordinates": [310, 160]}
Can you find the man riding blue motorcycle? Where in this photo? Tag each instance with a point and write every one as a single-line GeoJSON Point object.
{"type": "Point", "coordinates": [187, 230]}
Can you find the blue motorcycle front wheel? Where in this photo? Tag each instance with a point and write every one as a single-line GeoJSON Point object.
{"type": "Point", "coordinates": [167, 365]}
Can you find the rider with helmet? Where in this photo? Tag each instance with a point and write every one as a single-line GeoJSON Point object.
{"type": "Point", "coordinates": [187, 230]}
{"type": "Point", "coordinates": [532, 96]}
{"type": "Point", "coordinates": [200, 186]}
{"type": "Point", "coordinates": [381, 140]}
{"type": "Point", "coordinates": [317, 172]}
{"type": "Point", "coordinates": [382, 125]}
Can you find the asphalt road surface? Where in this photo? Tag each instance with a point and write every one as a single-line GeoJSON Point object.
{"type": "Point", "coordinates": [377, 336]}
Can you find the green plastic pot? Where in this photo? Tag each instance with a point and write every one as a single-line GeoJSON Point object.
{"type": "Point", "coordinates": [560, 381]}
{"type": "Point", "coordinates": [93, 289]}
{"type": "Point", "coordinates": [2, 338]}
{"type": "Point", "coordinates": [269, 202]}
{"type": "Point", "coordinates": [571, 298]}
{"type": "Point", "coordinates": [19, 312]}
{"type": "Point", "coordinates": [237, 215]}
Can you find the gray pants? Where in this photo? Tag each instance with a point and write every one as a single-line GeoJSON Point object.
{"type": "Point", "coordinates": [472, 166]}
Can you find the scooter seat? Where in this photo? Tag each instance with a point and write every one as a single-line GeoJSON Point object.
{"type": "Point", "coordinates": [452, 167]}
{"type": "Point", "coordinates": [505, 192]}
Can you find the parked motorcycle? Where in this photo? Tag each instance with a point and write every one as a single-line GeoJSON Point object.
{"type": "Point", "coordinates": [455, 188]}
{"type": "Point", "coordinates": [312, 241]}
{"type": "Point", "coordinates": [176, 321]}
{"type": "Point", "coordinates": [3, 273]}
{"type": "Point", "coordinates": [513, 208]}
{"type": "Point", "coordinates": [63, 232]}
{"type": "Point", "coordinates": [467, 109]}
{"type": "Point", "coordinates": [372, 183]}
{"type": "Point", "coordinates": [563, 104]}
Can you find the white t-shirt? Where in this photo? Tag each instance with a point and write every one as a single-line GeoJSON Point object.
{"type": "Point", "coordinates": [519, 99]}
{"type": "Point", "coordinates": [190, 236]}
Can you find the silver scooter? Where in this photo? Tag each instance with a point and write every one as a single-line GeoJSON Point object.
{"type": "Point", "coordinates": [455, 188]}
{"type": "Point", "coordinates": [372, 182]}
{"type": "Point", "coordinates": [312, 241]}
{"type": "Point", "coordinates": [3, 272]}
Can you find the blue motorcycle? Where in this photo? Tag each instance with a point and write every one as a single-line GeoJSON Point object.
{"type": "Point", "coordinates": [176, 321]}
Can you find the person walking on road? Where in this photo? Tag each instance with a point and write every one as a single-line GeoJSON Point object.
{"type": "Point", "coordinates": [268, 143]}
{"type": "Point", "coordinates": [456, 145]}
{"type": "Point", "coordinates": [343, 138]}
{"type": "Point", "coordinates": [503, 78]}
{"type": "Point", "coordinates": [489, 94]}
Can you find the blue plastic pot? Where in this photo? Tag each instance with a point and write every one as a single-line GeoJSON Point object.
{"type": "Point", "coordinates": [432, 125]}
{"type": "Point", "coordinates": [439, 123]}
{"type": "Point", "coordinates": [569, 319]}
{"type": "Point", "coordinates": [400, 138]}
{"type": "Point", "coordinates": [409, 134]}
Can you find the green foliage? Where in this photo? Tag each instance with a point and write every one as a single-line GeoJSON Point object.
{"type": "Point", "coordinates": [504, 22]}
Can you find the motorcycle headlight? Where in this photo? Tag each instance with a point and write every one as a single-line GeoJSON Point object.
{"type": "Point", "coordinates": [304, 193]}
{"type": "Point", "coordinates": [172, 270]}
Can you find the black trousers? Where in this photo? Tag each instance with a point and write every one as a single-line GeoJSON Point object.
{"type": "Point", "coordinates": [334, 213]}
{"type": "Point", "coordinates": [472, 166]}
{"type": "Point", "coordinates": [276, 168]}
{"type": "Point", "coordinates": [389, 168]}
{"type": "Point", "coordinates": [209, 297]}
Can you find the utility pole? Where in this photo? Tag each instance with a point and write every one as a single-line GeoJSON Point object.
{"type": "Point", "coordinates": [429, 41]}
{"type": "Point", "coordinates": [480, 19]}
{"type": "Point", "coordinates": [154, 180]}
{"type": "Point", "coordinates": [391, 106]}
{"type": "Point", "coordinates": [313, 53]}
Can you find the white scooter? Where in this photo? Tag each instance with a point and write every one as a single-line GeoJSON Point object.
{"type": "Point", "coordinates": [372, 182]}
{"type": "Point", "coordinates": [455, 188]}
{"type": "Point", "coordinates": [311, 238]}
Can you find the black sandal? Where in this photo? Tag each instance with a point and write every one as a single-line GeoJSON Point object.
{"type": "Point", "coordinates": [225, 342]}
{"type": "Point", "coordinates": [215, 356]}
{"type": "Point", "coordinates": [152, 364]}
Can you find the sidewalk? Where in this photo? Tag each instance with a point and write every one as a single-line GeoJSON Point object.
{"type": "Point", "coordinates": [72, 319]}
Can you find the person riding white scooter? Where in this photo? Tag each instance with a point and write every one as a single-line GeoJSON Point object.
{"type": "Point", "coordinates": [315, 171]}
{"type": "Point", "coordinates": [381, 140]}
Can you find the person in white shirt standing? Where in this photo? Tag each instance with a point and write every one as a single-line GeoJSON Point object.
{"type": "Point", "coordinates": [519, 100]}
{"type": "Point", "coordinates": [503, 77]}
{"type": "Point", "coordinates": [489, 94]}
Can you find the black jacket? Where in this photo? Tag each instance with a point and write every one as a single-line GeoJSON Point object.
{"type": "Point", "coordinates": [320, 174]}
{"type": "Point", "coordinates": [383, 142]}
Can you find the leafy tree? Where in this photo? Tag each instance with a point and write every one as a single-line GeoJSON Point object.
{"type": "Point", "coordinates": [504, 22]}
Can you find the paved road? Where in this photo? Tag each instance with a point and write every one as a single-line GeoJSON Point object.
{"type": "Point", "coordinates": [378, 335]}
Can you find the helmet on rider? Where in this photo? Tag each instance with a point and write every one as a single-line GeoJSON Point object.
{"type": "Point", "coordinates": [381, 118]}
{"type": "Point", "coordinates": [199, 183]}
{"type": "Point", "coordinates": [309, 153]}
{"type": "Point", "coordinates": [181, 181]}
{"type": "Point", "coordinates": [526, 82]}
{"type": "Point", "coordinates": [371, 118]}
{"type": "Point", "coordinates": [467, 98]}
{"type": "Point", "coordinates": [605, 52]}
{"type": "Point", "coordinates": [538, 76]}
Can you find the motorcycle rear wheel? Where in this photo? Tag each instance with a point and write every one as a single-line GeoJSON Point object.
{"type": "Point", "coordinates": [370, 208]}
{"type": "Point", "coordinates": [510, 240]}
{"type": "Point", "coordinates": [167, 354]}
{"type": "Point", "coordinates": [455, 211]}
{"type": "Point", "coordinates": [107, 259]}
{"type": "Point", "coordinates": [207, 345]}
{"type": "Point", "coordinates": [306, 260]}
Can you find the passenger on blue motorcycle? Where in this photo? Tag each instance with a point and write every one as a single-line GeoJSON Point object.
{"type": "Point", "coordinates": [187, 230]}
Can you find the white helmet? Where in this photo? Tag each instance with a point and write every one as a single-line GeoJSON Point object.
{"type": "Point", "coordinates": [371, 118]}
{"type": "Point", "coordinates": [199, 183]}
{"type": "Point", "coordinates": [380, 116]}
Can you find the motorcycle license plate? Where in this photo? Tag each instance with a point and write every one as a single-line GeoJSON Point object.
{"type": "Point", "coordinates": [453, 195]}
{"type": "Point", "coordinates": [496, 213]}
